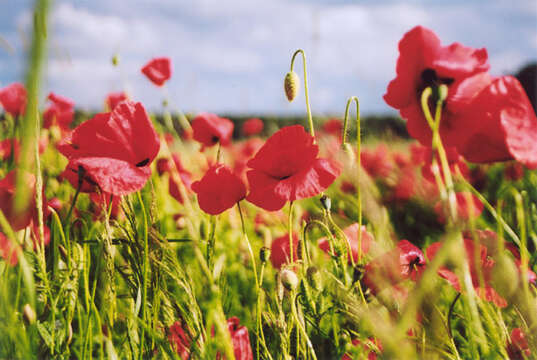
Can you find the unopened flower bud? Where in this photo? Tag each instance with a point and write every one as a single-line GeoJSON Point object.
{"type": "Point", "coordinates": [314, 278]}
{"type": "Point", "coordinates": [115, 60]}
{"type": "Point", "coordinates": [289, 279]}
{"type": "Point", "coordinates": [326, 202]}
{"type": "Point", "coordinates": [29, 314]}
{"type": "Point", "coordinates": [291, 85]}
{"type": "Point", "coordinates": [264, 254]}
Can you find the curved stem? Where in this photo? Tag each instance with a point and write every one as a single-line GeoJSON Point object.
{"type": "Point", "coordinates": [308, 108]}
{"type": "Point", "coordinates": [451, 308]}
{"type": "Point", "coordinates": [359, 163]}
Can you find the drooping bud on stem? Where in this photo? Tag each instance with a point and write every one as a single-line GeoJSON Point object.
{"type": "Point", "coordinates": [289, 279]}
{"type": "Point", "coordinates": [326, 202]}
{"type": "Point", "coordinates": [291, 85]}
{"type": "Point", "coordinates": [314, 278]}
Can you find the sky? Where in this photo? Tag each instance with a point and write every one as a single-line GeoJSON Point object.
{"type": "Point", "coordinates": [231, 56]}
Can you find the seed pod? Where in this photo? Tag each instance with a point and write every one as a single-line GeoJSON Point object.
{"type": "Point", "coordinates": [314, 278]}
{"type": "Point", "coordinates": [291, 85]}
{"type": "Point", "coordinates": [289, 279]}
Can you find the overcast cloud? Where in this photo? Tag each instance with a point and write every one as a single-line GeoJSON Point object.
{"type": "Point", "coordinates": [231, 56]}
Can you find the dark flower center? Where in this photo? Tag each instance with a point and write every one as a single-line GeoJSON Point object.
{"type": "Point", "coordinates": [215, 139]}
{"type": "Point", "coordinates": [429, 78]}
{"type": "Point", "coordinates": [144, 162]}
{"type": "Point", "coordinates": [414, 263]}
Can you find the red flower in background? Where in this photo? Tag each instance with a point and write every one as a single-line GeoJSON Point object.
{"type": "Point", "coordinates": [514, 171]}
{"type": "Point", "coordinates": [279, 250]}
{"type": "Point", "coordinates": [351, 232]}
{"type": "Point", "coordinates": [112, 151]}
{"type": "Point", "coordinates": [13, 99]}
{"type": "Point", "coordinates": [209, 129]}
{"type": "Point", "coordinates": [174, 166]}
{"type": "Point", "coordinates": [286, 168]}
{"type": "Point", "coordinates": [502, 125]}
{"type": "Point", "coordinates": [60, 111]}
{"type": "Point", "coordinates": [240, 339]}
{"type": "Point", "coordinates": [18, 221]}
{"type": "Point", "coordinates": [252, 126]}
{"type": "Point", "coordinates": [219, 190]}
{"type": "Point", "coordinates": [464, 207]}
{"type": "Point", "coordinates": [455, 160]}
{"type": "Point", "coordinates": [517, 347]}
{"type": "Point", "coordinates": [424, 62]}
{"type": "Point", "coordinates": [158, 70]}
{"type": "Point", "coordinates": [333, 127]}
{"type": "Point", "coordinates": [9, 147]}
{"type": "Point", "coordinates": [484, 266]}
{"type": "Point", "coordinates": [113, 99]}
{"type": "Point", "coordinates": [372, 354]}
{"type": "Point", "coordinates": [8, 251]}
{"type": "Point", "coordinates": [377, 162]}
{"type": "Point", "coordinates": [179, 340]}
{"type": "Point", "coordinates": [405, 261]}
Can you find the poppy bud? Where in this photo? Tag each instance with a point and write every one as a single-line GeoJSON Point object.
{"type": "Point", "coordinates": [314, 278]}
{"type": "Point", "coordinates": [289, 279]}
{"type": "Point", "coordinates": [115, 59]}
{"type": "Point", "coordinates": [29, 314]}
{"type": "Point", "coordinates": [264, 254]}
{"type": "Point", "coordinates": [326, 202]}
{"type": "Point", "coordinates": [291, 85]}
{"type": "Point", "coordinates": [505, 276]}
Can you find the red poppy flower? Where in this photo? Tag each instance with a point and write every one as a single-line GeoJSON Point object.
{"type": "Point", "coordinates": [514, 171]}
{"type": "Point", "coordinates": [35, 234]}
{"type": "Point", "coordinates": [371, 344]}
{"type": "Point", "coordinates": [112, 151]}
{"type": "Point", "coordinates": [517, 347]}
{"type": "Point", "coordinates": [7, 147]}
{"type": "Point", "coordinates": [376, 162]}
{"type": "Point", "coordinates": [351, 232]}
{"type": "Point", "coordinates": [113, 99]}
{"type": "Point", "coordinates": [502, 125]}
{"type": "Point", "coordinates": [279, 250]}
{"type": "Point", "coordinates": [333, 127]}
{"type": "Point", "coordinates": [101, 202]}
{"type": "Point", "coordinates": [8, 251]}
{"type": "Point", "coordinates": [18, 221]}
{"type": "Point", "coordinates": [172, 166]}
{"type": "Point", "coordinates": [60, 111]}
{"type": "Point", "coordinates": [158, 70]}
{"type": "Point", "coordinates": [13, 99]}
{"type": "Point", "coordinates": [180, 340]}
{"type": "Point", "coordinates": [490, 240]}
{"type": "Point", "coordinates": [219, 190]}
{"type": "Point", "coordinates": [464, 208]}
{"type": "Point", "coordinates": [405, 261]}
{"type": "Point", "coordinates": [210, 129]}
{"type": "Point", "coordinates": [286, 168]}
{"type": "Point", "coordinates": [240, 339]}
{"type": "Point", "coordinates": [424, 62]}
{"type": "Point", "coordinates": [484, 266]}
{"type": "Point", "coordinates": [252, 126]}
{"type": "Point", "coordinates": [455, 160]}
